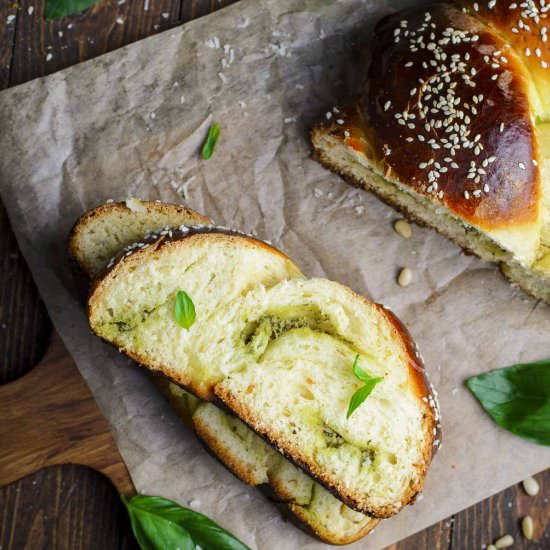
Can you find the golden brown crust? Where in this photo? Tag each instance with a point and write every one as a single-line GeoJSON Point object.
{"type": "Point", "coordinates": [355, 141]}
{"type": "Point", "coordinates": [430, 93]}
{"type": "Point", "coordinates": [523, 25]}
{"type": "Point", "coordinates": [107, 209]}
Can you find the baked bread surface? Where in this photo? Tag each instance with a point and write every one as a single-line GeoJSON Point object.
{"type": "Point", "coordinates": [254, 336]}
{"type": "Point", "coordinates": [372, 145]}
{"type": "Point", "coordinates": [293, 381]}
{"type": "Point", "coordinates": [132, 305]}
{"type": "Point", "coordinates": [524, 26]}
{"type": "Point", "coordinates": [102, 232]}
{"type": "Point", "coordinates": [447, 106]}
{"type": "Point", "coordinates": [235, 445]}
{"type": "Point", "coordinates": [257, 463]}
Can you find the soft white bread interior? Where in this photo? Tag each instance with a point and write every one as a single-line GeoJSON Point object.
{"type": "Point", "coordinates": [102, 232]}
{"type": "Point", "coordinates": [288, 364]}
{"type": "Point", "coordinates": [451, 129]}
{"type": "Point", "coordinates": [235, 445]}
{"type": "Point", "coordinates": [132, 306]}
{"type": "Point", "coordinates": [250, 341]}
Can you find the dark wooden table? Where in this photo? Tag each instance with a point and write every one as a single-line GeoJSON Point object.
{"type": "Point", "coordinates": [74, 507]}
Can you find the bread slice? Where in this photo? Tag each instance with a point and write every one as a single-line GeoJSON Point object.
{"type": "Point", "coordinates": [102, 232]}
{"type": "Point", "coordinates": [256, 463]}
{"type": "Point", "coordinates": [347, 155]}
{"type": "Point", "coordinates": [290, 378]}
{"type": "Point", "coordinates": [235, 445]}
{"type": "Point", "coordinates": [251, 341]}
{"type": "Point", "coordinates": [132, 305]}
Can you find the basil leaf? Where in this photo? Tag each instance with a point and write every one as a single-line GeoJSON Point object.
{"type": "Point", "coordinates": [159, 523]}
{"type": "Point", "coordinates": [184, 310]}
{"type": "Point", "coordinates": [517, 398]}
{"type": "Point", "coordinates": [359, 372]}
{"type": "Point", "coordinates": [55, 9]}
{"type": "Point", "coordinates": [362, 393]}
{"type": "Point", "coordinates": [210, 141]}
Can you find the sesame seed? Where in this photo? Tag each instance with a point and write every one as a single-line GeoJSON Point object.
{"type": "Point", "coordinates": [521, 165]}
{"type": "Point", "coordinates": [387, 105]}
{"type": "Point", "coordinates": [340, 121]}
{"type": "Point", "coordinates": [466, 195]}
{"type": "Point", "coordinates": [409, 64]}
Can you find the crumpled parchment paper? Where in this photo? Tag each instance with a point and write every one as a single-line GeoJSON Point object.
{"type": "Point", "coordinates": [130, 123]}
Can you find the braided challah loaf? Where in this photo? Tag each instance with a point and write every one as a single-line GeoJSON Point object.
{"type": "Point", "coordinates": [451, 128]}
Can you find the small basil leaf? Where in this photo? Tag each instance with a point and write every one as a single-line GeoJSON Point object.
{"type": "Point", "coordinates": [210, 141]}
{"type": "Point", "coordinates": [184, 310]}
{"type": "Point", "coordinates": [359, 372]}
{"type": "Point", "coordinates": [156, 520]}
{"type": "Point", "coordinates": [361, 394]}
{"type": "Point", "coordinates": [55, 9]}
{"type": "Point", "coordinates": [517, 398]}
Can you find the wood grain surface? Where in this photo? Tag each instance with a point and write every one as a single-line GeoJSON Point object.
{"type": "Point", "coordinates": [57, 422]}
{"type": "Point", "coordinates": [75, 507]}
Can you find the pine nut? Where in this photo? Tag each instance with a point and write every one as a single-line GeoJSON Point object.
{"type": "Point", "coordinates": [527, 527]}
{"type": "Point", "coordinates": [530, 486]}
{"type": "Point", "coordinates": [405, 277]}
{"type": "Point", "coordinates": [403, 228]}
{"type": "Point", "coordinates": [504, 542]}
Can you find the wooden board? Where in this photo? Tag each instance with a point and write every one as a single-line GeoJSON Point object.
{"type": "Point", "coordinates": [49, 417]}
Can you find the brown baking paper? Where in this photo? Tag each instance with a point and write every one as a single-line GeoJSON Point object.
{"type": "Point", "coordinates": [131, 123]}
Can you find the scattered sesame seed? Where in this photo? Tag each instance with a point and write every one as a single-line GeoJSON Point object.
{"type": "Point", "coordinates": [49, 57]}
